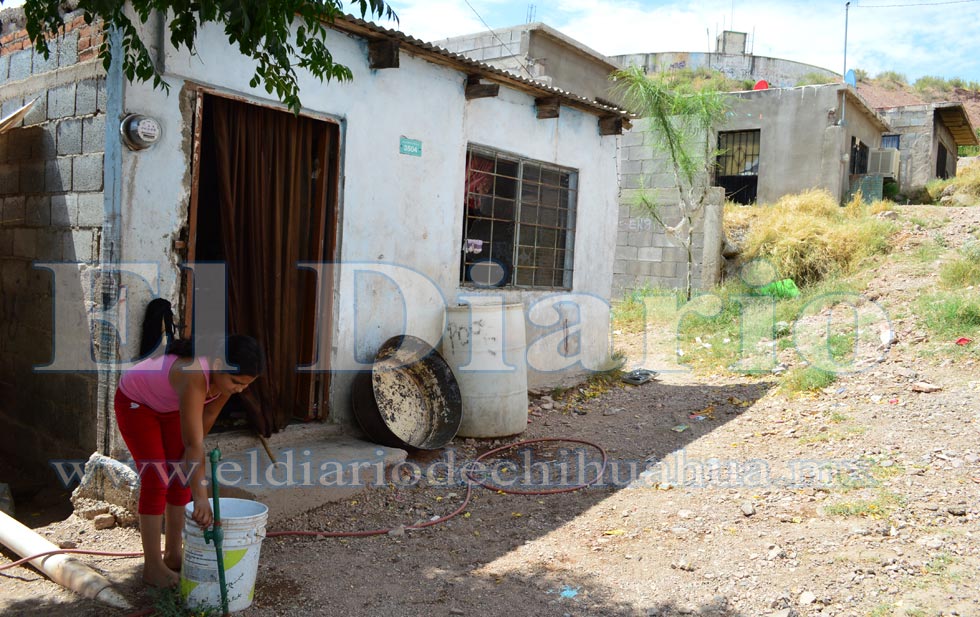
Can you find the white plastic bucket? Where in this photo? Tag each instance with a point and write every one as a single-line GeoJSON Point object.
{"type": "Point", "coordinates": [243, 522]}
{"type": "Point", "coordinates": [485, 346]}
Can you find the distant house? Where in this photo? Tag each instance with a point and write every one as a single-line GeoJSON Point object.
{"type": "Point", "coordinates": [927, 136]}
{"type": "Point", "coordinates": [786, 140]}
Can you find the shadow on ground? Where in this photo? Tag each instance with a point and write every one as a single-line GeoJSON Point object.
{"type": "Point", "coordinates": [449, 569]}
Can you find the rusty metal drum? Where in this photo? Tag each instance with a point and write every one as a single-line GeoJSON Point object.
{"type": "Point", "coordinates": [410, 398]}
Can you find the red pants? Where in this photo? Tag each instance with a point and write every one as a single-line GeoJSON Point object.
{"type": "Point", "coordinates": [157, 446]}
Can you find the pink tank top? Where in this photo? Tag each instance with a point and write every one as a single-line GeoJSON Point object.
{"type": "Point", "coordinates": [148, 382]}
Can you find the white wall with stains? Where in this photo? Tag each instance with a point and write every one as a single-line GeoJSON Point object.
{"type": "Point", "coordinates": [394, 209]}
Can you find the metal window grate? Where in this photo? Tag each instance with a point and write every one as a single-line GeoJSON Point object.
{"type": "Point", "coordinates": [519, 222]}
{"type": "Point", "coordinates": [737, 169]}
{"type": "Point", "coordinates": [738, 153]}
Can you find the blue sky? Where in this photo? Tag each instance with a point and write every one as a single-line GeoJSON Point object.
{"type": "Point", "coordinates": [938, 37]}
{"type": "Point", "coordinates": [926, 37]}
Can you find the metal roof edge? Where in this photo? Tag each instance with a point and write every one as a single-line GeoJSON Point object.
{"type": "Point", "coordinates": [365, 29]}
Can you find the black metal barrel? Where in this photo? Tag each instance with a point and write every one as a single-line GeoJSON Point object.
{"type": "Point", "coordinates": [410, 398]}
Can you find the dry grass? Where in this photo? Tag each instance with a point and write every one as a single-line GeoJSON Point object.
{"type": "Point", "coordinates": [968, 179]}
{"type": "Point", "coordinates": [808, 237]}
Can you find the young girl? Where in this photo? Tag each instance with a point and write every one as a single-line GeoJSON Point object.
{"type": "Point", "coordinates": [165, 405]}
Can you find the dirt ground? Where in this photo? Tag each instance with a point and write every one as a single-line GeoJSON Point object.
{"type": "Point", "coordinates": [860, 500]}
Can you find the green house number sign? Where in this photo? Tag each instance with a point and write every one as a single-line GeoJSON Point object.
{"type": "Point", "coordinates": [411, 147]}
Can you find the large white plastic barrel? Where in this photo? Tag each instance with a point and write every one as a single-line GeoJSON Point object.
{"type": "Point", "coordinates": [485, 346]}
{"type": "Point", "coordinates": [243, 522]}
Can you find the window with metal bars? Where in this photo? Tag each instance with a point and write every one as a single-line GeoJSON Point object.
{"type": "Point", "coordinates": [737, 168]}
{"type": "Point", "coordinates": [518, 223]}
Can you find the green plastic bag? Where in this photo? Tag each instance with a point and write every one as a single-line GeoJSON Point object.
{"type": "Point", "coordinates": [785, 288]}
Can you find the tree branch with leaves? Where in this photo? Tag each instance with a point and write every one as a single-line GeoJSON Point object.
{"type": "Point", "coordinates": [681, 121]}
{"type": "Point", "coordinates": [259, 30]}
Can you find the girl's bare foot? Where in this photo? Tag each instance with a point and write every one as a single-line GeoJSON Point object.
{"type": "Point", "coordinates": [159, 575]}
{"type": "Point", "coordinates": [172, 560]}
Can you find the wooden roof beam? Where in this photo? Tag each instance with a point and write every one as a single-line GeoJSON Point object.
{"type": "Point", "coordinates": [612, 125]}
{"type": "Point", "coordinates": [547, 107]}
{"type": "Point", "coordinates": [477, 90]}
{"type": "Point", "coordinates": [383, 53]}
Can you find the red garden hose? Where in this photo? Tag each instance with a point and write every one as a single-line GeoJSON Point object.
{"type": "Point", "coordinates": [471, 480]}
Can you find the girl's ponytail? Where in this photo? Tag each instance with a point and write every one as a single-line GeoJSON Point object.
{"type": "Point", "coordinates": [158, 321]}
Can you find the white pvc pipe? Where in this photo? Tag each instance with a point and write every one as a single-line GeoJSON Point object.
{"type": "Point", "coordinates": [62, 569]}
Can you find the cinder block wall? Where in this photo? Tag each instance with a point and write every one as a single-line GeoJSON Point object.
{"type": "Point", "coordinates": [645, 254]}
{"type": "Point", "coordinates": [51, 202]}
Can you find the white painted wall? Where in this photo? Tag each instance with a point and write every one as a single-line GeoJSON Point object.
{"type": "Point", "coordinates": [395, 208]}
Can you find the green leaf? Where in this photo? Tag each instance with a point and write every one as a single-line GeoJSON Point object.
{"type": "Point", "coordinates": [257, 29]}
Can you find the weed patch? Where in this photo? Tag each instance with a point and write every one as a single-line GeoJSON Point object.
{"type": "Point", "coordinates": [879, 507]}
{"type": "Point", "coordinates": [808, 379]}
{"type": "Point", "coordinates": [960, 273]}
{"type": "Point", "coordinates": [951, 315]}
{"type": "Point", "coordinates": [167, 603]}
{"type": "Point", "coordinates": [963, 271]}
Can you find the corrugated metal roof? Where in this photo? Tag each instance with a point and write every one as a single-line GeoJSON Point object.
{"type": "Point", "coordinates": [439, 55]}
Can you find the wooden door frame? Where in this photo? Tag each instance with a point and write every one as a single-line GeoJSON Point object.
{"type": "Point", "coordinates": [329, 241]}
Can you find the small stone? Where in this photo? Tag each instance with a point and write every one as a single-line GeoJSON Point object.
{"type": "Point", "coordinates": [956, 510]}
{"type": "Point", "coordinates": [905, 372]}
{"type": "Point", "coordinates": [685, 513]}
{"type": "Point", "coordinates": [683, 564]}
{"type": "Point", "coordinates": [104, 521]}
{"type": "Point", "coordinates": [786, 612]}
{"type": "Point", "coordinates": [397, 531]}
{"type": "Point", "coordinates": [91, 513]}
{"type": "Point", "coordinates": [807, 598]}
{"type": "Point", "coordinates": [747, 508]}
{"type": "Point", "coordinates": [456, 611]}
{"type": "Point", "coordinates": [67, 544]}
{"type": "Point", "coordinates": [925, 387]}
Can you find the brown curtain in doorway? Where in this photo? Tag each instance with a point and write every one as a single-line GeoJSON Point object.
{"type": "Point", "coordinates": [271, 167]}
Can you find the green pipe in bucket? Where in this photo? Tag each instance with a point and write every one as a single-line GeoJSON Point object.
{"type": "Point", "coordinates": [215, 534]}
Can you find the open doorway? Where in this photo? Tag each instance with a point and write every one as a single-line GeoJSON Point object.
{"type": "Point", "coordinates": [264, 200]}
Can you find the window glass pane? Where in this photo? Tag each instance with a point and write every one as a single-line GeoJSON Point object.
{"type": "Point", "coordinates": [529, 213]}
{"type": "Point", "coordinates": [532, 173]}
{"type": "Point", "coordinates": [550, 196]}
{"type": "Point", "coordinates": [550, 177]}
{"type": "Point", "coordinates": [503, 209]}
{"type": "Point", "coordinates": [548, 237]}
{"type": "Point", "coordinates": [529, 192]}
